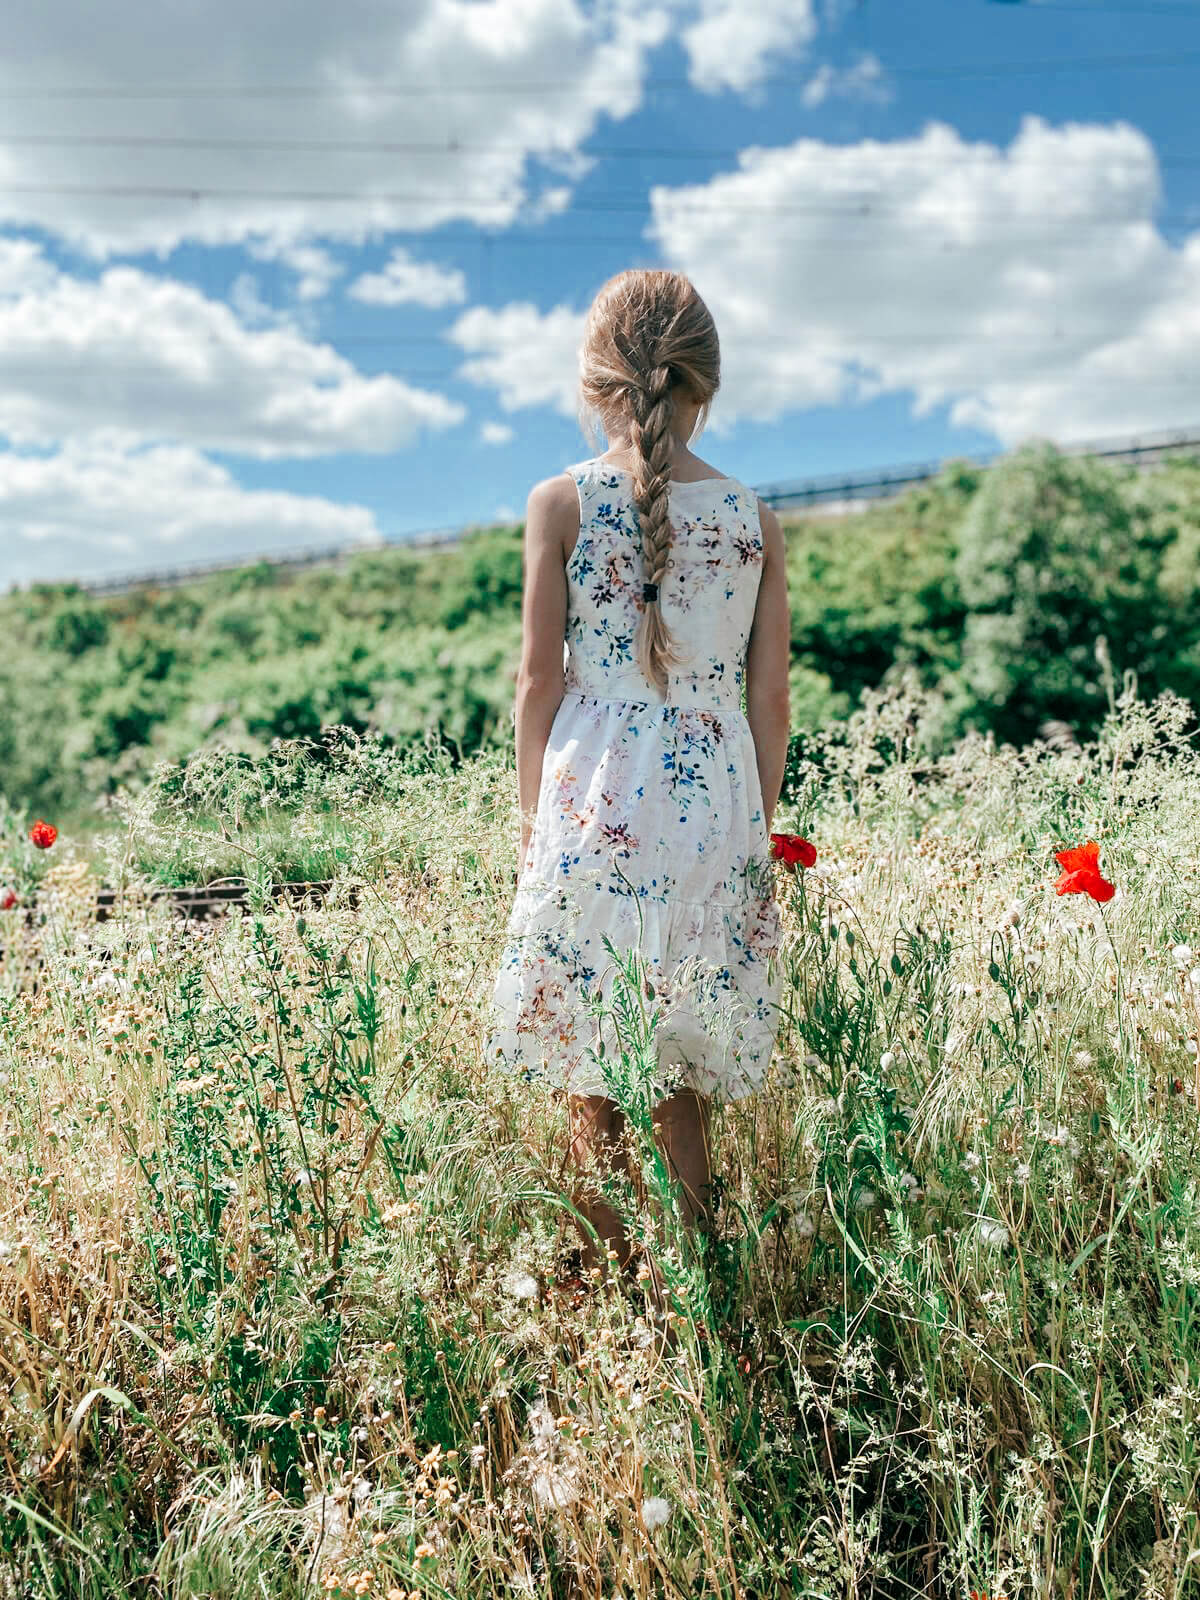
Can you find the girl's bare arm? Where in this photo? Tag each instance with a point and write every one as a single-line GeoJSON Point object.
{"type": "Point", "coordinates": [551, 520]}
{"type": "Point", "coordinates": [767, 657]}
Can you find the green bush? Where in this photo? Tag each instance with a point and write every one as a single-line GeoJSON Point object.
{"type": "Point", "coordinates": [997, 587]}
{"type": "Point", "coordinates": [1056, 555]}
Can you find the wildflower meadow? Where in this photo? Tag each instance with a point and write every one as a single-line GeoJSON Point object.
{"type": "Point", "coordinates": [283, 1308]}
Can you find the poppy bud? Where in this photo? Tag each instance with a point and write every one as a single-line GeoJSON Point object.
{"type": "Point", "coordinates": [8, 900]}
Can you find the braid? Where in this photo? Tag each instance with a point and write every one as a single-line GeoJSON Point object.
{"type": "Point", "coordinates": [649, 339]}
{"type": "Point", "coordinates": [650, 434]}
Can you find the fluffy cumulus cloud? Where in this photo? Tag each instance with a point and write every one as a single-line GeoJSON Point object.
{"type": "Point", "coordinates": [496, 432]}
{"type": "Point", "coordinates": [155, 360]}
{"type": "Point", "coordinates": [99, 507]}
{"type": "Point", "coordinates": [731, 44]}
{"type": "Point", "coordinates": [529, 356]}
{"type": "Point", "coordinates": [865, 80]}
{"type": "Point", "coordinates": [314, 266]}
{"type": "Point", "coordinates": [331, 122]}
{"type": "Point", "coordinates": [404, 281]}
{"type": "Point", "coordinates": [1026, 288]}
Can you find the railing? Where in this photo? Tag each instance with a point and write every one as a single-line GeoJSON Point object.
{"type": "Point", "coordinates": [1140, 449]}
{"type": "Point", "coordinates": [834, 491]}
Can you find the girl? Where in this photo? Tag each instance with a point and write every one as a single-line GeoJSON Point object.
{"type": "Point", "coordinates": [654, 592]}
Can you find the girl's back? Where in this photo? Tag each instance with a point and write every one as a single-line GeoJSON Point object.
{"type": "Point", "coordinates": [707, 595]}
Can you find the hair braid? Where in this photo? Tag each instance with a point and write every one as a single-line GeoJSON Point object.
{"type": "Point", "coordinates": [650, 435]}
{"type": "Point", "coordinates": [649, 334]}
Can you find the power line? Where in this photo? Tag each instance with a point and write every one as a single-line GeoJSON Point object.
{"type": "Point", "coordinates": [1053, 64]}
{"type": "Point", "coordinates": [1163, 10]}
{"type": "Point", "coordinates": [890, 335]}
{"type": "Point", "coordinates": [871, 209]}
{"type": "Point", "coordinates": [454, 146]}
{"type": "Point", "coordinates": [1121, 381]}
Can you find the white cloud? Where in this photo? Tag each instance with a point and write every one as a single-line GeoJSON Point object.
{"type": "Point", "coordinates": [153, 359]}
{"type": "Point", "coordinates": [732, 42]}
{"type": "Point", "coordinates": [251, 308]}
{"type": "Point", "coordinates": [437, 106]}
{"type": "Point", "coordinates": [865, 80]}
{"type": "Point", "coordinates": [313, 265]}
{"type": "Point", "coordinates": [405, 281]}
{"type": "Point", "coordinates": [530, 357]}
{"type": "Point", "coordinates": [1027, 289]}
{"type": "Point", "coordinates": [497, 433]}
{"type": "Point", "coordinates": [97, 507]}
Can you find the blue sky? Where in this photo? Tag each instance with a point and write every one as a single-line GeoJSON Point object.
{"type": "Point", "coordinates": [322, 280]}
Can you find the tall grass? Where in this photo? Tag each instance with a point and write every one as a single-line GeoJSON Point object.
{"type": "Point", "coordinates": [278, 1248]}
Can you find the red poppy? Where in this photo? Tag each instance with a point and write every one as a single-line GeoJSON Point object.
{"type": "Point", "coordinates": [1081, 872]}
{"type": "Point", "coordinates": [790, 848]}
{"type": "Point", "coordinates": [8, 900]}
{"type": "Point", "coordinates": [43, 834]}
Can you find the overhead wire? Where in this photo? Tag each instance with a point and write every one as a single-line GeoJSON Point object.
{"type": "Point", "coordinates": [867, 209]}
{"type": "Point", "coordinates": [499, 85]}
{"type": "Point", "coordinates": [450, 145]}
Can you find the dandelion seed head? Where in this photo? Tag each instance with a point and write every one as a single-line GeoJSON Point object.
{"type": "Point", "coordinates": [520, 1284]}
{"type": "Point", "coordinates": [656, 1513]}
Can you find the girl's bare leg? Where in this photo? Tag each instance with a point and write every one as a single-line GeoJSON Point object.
{"type": "Point", "coordinates": [597, 1133]}
{"type": "Point", "coordinates": [682, 1127]}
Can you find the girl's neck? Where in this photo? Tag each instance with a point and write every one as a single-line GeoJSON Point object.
{"type": "Point", "coordinates": [620, 453]}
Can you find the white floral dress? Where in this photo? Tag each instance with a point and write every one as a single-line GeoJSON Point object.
{"type": "Point", "coordinates": [649, 825]}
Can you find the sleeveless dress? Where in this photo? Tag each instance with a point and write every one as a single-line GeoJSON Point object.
{"type": "Point", "coordinates": [649, 826]}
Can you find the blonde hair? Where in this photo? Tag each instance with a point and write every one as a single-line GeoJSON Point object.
{"type": "Point", "coordinates": [648, 334]}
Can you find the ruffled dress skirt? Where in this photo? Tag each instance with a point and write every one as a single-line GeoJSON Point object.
{"type": "Point", "coordinates": [649, 837]}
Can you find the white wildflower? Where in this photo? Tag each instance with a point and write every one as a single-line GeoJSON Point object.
{"type": "Point", "coordinates": [521, 1285]}
{"type": "Point", "coordinates": [1022, 1172]}
{"type": "Point", "coordinates": [1084, 1058]}
{"type": "Point", "coordinates": [971, 1160]}
{"type": "Point", "coordinates": [865, 1199]}
{"type": "Point", "coordinates": [556, 1485]}
{"type": "Point", "coordinates": [1065, 1139]}
{"type": "Point", "coordinates": [801, 1225]}
{"type": "Point", "coordinates": [910, 1183]}
{"type": "Point", "coordinates": [994, 1234]}
{"type": "Point", "coordinates": [1181, 954]}
{"type": "Point", "coordinates": [887, 1061]}
{"type": "Point", "coordinates": [656, 1513]}
{"type": "Point", "coordinates": [326, 1524]}
{"type": "Point", "coordinates": [542, 1426]}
